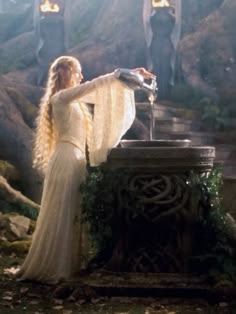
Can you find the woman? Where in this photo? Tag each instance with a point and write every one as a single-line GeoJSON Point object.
{"type": "Point", "coordinates": [64, 129]}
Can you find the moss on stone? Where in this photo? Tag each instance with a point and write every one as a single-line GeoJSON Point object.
{"type": "Point", "coordinates": [27, 109]}
{"type": "Point", "coordinates": [8, 171]}
{"type": "Point", "coordinates": [12, 200]}
{"type": "Point", "coordinates": [17, 247]}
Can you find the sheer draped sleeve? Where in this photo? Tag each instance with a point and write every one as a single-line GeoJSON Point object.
{"type": "Point", "coordinates": [114, 112]}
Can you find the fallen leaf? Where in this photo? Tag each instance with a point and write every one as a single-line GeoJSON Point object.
{"type": "Point", "coordinates": [81, 301]}
{"type": "Point", "coordinates": [58, 301]}
{"type": "Point", "coordinates": [34, 302]}
{"type": "Point", "coordinates": [223, 304]}
{"type": "Point", "coordinates": [71, 298]}
{"type": "Point", "coordinates": [24, 290]}
{"type": "Point", "coordinates": [34, 295]}
{"type": "Point", "coordinates": [58, 307]}
{"type": "Point", "coordinates": [7, 298]}
{"type": "Point", "coordinates": [8, 292]}
{"type": "Point", "coordinates": [11, 270]}
{"type": "Point", "coordinates": [157, 306]}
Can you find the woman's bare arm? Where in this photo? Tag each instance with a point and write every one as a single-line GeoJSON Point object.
{"type": "Point", "coordinates": [146, 74]}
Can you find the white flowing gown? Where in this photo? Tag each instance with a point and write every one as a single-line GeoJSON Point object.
{"type": "Point", "coordinates": [57, 245]}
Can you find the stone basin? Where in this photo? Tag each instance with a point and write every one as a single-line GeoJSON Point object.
{"type": "Point", "coordinates": [155, 143]}
{"type": "Point", "coordinates": [162, 156]}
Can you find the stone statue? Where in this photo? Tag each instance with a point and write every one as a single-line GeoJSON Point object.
{"type": "Point", "coordinates": [49, 28]}
{"type": "Point", "coordinates": [162, 27]}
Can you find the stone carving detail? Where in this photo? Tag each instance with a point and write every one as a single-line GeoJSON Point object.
{"type": "Point", "coordinates": [154, 231]}
{"type": "Point", "coordinates": [161, 195]}
{"type": "Point", "coordinates": [155, 208]}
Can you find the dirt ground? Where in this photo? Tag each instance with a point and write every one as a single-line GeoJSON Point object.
{"type": "Point", "coordinates": [21, 297]}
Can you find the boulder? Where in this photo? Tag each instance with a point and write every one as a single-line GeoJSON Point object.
{"type": "Point", "coordinates": [208, 54]}
{"type": "Point", "coordinates": [14, 227]}
{"type": "Point", "coordinates": [26, 108]}
{"type": "Point", "coordinates": [19, 247]}
{"type": "Point", "coordinates": [18, 52]}
{"type": "Point", "coordinates": [17, 115]}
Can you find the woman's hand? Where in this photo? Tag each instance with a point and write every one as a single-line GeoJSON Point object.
{"type": "Point", "coordinates": [146, 74]}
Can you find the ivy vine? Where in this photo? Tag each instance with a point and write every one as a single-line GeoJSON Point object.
{"type": "Point", "coordinates": [215, 254]}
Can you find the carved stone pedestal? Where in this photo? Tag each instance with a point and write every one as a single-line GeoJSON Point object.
{"type": "Point", "coordinates": [157, 208]}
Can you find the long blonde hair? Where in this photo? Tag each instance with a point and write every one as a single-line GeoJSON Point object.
{"type": "Point", "coordinates": [59, 77]}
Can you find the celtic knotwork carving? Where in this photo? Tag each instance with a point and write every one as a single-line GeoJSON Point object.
{"type": "Point", "coordinates": [154, 258]}
{"type": "Point", "coordinates": [159, 196]}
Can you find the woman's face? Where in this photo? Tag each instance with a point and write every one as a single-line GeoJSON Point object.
{"type": "Point", "coordinates": [77, 76]}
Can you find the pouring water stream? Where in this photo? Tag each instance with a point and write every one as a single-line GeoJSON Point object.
{"type": "Point", "coordinates": [136, 82]}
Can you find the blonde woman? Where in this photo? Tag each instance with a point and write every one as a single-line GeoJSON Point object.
{"type": "Point", "coordinates": [64, 128]}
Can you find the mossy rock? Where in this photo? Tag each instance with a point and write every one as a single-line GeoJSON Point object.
{"type": "Point", "coordinates": [17, 247]}
{"type": "Point", "coordinates": [19, 208]}
{"type": "Point", "coordinates": [14, 227]}
{"type": "Point", "coordinates": [224, 283]}
{"type": "Point", "coordinates": [8, 171]}
{"type": "Point", "coordinates": [32, 227]}
{"type": "Point", "coordinates": [27, 109]}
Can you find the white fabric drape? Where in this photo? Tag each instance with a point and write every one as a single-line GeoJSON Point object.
{"type": "Point", "coordinates": [114, 114]}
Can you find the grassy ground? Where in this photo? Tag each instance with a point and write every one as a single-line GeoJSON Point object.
{"type": "Point", "coordinates": [25, 298]}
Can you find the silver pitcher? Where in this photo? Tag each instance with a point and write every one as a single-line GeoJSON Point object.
{"type": "Point", "coordinates": [136, 81]}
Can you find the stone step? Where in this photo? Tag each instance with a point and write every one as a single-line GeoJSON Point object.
{"type": "Point", "coordinates": [173, 125]}
{"type": "Point", "coordinates": [161, 111]}
{"type": "Point", "coordinates": [164, 111]}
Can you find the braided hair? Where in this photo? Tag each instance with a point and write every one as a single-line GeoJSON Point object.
{"type": "Point", "coordinates": [59, 77]}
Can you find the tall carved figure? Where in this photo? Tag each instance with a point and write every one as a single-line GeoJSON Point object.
{"type": "Point", "coordinates": [162, 27]}
{"type": "Point", "coordinates": [50, 33]}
